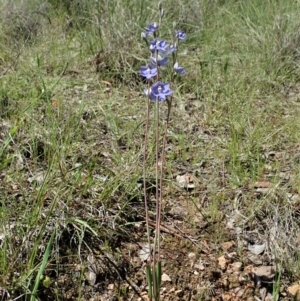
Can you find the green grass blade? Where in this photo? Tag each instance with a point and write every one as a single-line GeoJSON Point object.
{"type": "Point", "coordinates": [42, 268]}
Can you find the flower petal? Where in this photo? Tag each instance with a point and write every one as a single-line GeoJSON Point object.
{"type": "Point", "coordinates": [180, 35]}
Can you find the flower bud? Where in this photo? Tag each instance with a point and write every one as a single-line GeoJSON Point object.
{"type": "Point", "coordinates": [174, 24]}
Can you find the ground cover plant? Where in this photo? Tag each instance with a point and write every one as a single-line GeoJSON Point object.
{"type": "Point", "coordinates": [72, 124]}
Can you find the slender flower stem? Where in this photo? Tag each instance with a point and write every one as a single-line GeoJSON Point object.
{"type": "Point", "coordinates": [158, 221]}
{"type": "Point", "coordinates": [157, 230]}
{"type": "Point", "coordinates": [157, 67]}
{"type": "Point", "coordinates": [144, 173]}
